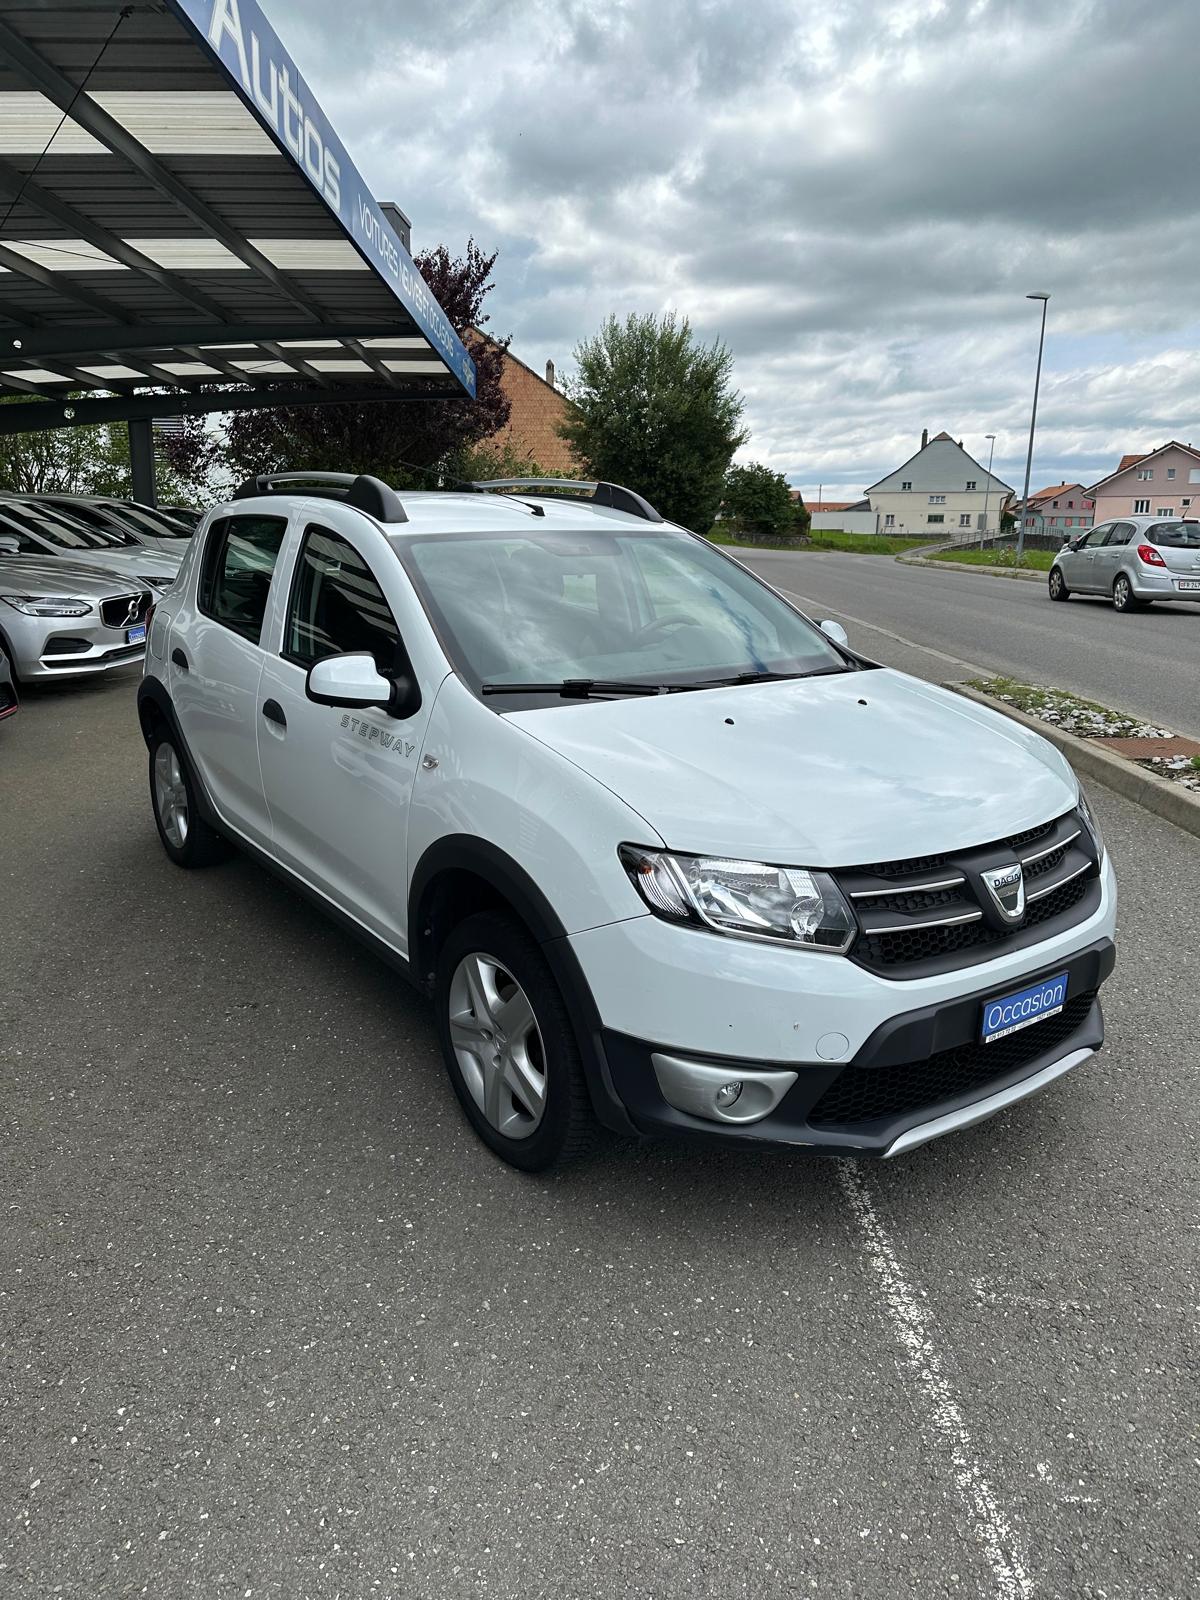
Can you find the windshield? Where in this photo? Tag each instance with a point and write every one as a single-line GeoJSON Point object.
{"type": "Point", "coordinates": [62, 535]}
{"type": "Point", "coordinates": [662, 608]}
{"type": "Point", "coordinates": [1176, 535]}
{"type": "Point", "coordinates": [158, 527]}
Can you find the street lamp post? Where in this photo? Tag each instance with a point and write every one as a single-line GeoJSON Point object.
{"type": "Point", "coordinates": [987, 488]}
{"type": "Point", "coordinates": [1044, 298]}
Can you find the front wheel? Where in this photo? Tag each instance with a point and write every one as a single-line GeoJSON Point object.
{"type": "Point", "coordinates": [1058, 585]}
{"type": "Point", "coordinates": [186, 837]}
{"type": "Point", "coordinates": [1124, 598]}
{"type": "Point", "coordinates": [509, 1046]}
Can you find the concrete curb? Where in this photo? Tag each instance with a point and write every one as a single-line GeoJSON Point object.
{"type": "Point", "coordinates": [964, 566]}
{"type": "Point", "coordinates": [1166, 799]}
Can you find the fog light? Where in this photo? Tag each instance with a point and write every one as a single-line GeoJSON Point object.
{"type": "Point", "coordinates": [728, 1094]}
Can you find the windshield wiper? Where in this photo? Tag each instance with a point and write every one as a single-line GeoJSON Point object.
{"type": "Point", "coordinates": [769, 677]}
{"type": "Point", "coordinates": [577, 688]}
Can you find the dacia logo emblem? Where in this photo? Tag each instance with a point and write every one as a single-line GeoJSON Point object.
{"type": "Point", "coordinates": [1006, 885]}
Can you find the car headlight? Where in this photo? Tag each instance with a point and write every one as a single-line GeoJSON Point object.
{"type": "Point", "coordinates": [1088, 818]}
{"type": "Point", "coordinates": [157, 582]}
{"type": "Point", "coordinates": [748, 899]}
{"type": "Point", "coordinates": [46, 605]}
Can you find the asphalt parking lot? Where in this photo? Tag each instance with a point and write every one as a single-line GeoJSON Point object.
{"type": "Point", "coordinates": [273, 1322]}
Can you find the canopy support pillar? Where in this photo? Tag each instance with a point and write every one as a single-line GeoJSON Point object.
{"type": "Point", "coordinates": [141, 457]}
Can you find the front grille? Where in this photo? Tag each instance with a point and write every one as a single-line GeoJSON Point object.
{"type": "Point", "coordinates": [116, 613]}
{"type": "Point", "coordinates": [865, 1094]}
{"type": "Point", "coordinates": [928, 914]}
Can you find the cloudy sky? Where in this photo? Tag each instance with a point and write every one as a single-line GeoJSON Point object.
{"type": "Point", "coordinates": [855, 195]}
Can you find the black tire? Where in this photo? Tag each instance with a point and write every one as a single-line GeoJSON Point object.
{"type": "Point", "coordinates": [1058, 585]}
{"type": "Point", "coordinates": [197, 844]}
{"type": "Point", "coordinates": [567, 1127]}
{"type": "Point", "coordinates": [1124, 598]}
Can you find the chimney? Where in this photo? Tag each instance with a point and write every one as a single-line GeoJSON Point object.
{"type": "Point", "coordinates": [550, 373]}
{"type": "Point", "coordinates": [924, 437]}
{"type": "Point", "coordinates": [401, 226]}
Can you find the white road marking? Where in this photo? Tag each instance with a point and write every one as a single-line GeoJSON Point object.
{"type": "Point", "coordinates": [911, 1324]}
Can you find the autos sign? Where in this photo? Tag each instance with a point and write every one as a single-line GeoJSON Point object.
{"type": "Point", "coordinates": [249, 50]}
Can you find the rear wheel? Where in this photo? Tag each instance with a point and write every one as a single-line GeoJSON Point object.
{"type": "Point", "coordinates": [1124, 598]}
{"type": "Point", "coordinates": [509, 1046]}
{"type": "Point", "coordinates": [1058, 585]}
{"type": "Point", "coordinates": [186, 837]}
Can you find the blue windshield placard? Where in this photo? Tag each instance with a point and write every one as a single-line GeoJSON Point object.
{"type": "Point", "coordinates": [265, 77]}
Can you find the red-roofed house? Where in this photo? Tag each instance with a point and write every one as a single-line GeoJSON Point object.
{"type": "Point", "coordinates": [1063, 506]}
{"type": "Point", "coordinates": [1162, 483]}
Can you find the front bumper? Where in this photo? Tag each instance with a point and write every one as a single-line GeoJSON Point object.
{"type": "Point", "coordinates": [918, 1076]}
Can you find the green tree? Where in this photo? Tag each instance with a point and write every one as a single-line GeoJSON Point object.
{"type": "Point", "coordinates": [656, 411]}
{"type": "Point", "coordinates": [91, 459]}
{"type": "Point", "coordinates": [758, 502]}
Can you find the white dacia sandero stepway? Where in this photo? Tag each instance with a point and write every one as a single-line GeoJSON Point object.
{"type": "Point", "coordinates": [666, 855]}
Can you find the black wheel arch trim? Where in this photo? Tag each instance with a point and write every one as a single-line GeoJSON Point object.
{"type": "Point", "coordinates": [483, 859]}
{"type": "Point", "coordinates": [153, 702]}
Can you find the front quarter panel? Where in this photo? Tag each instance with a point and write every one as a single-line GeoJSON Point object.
{"type": "Point", "coordinates": [483, 777]}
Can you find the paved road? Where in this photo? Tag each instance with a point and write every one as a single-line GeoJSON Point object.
{"type": "Point", "coordinates": [1147, 663]}
{"type": "Point", "coordinates": [273, 1324]}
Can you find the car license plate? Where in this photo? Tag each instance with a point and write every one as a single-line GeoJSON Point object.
{"type": "Point", "coordinates": [1012, 1012]}
{"type": "Point", "coordinates": [1188, 585]}
{"type": "Point", "coordinates": [136, 635]}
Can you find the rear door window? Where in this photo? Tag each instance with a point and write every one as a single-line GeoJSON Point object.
{"type": "Point", "coordinates": [239, 562]}
{"type": "Point", "coordinates": [1175, 535]}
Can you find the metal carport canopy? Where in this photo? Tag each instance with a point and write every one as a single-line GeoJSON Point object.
{"type": "Point", "coordinates": [178, 215]}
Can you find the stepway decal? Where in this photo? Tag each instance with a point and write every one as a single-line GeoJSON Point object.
{"type": "Point", "coordinates": [248, 47]}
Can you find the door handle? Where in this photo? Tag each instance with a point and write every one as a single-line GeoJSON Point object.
{"type": "Point", "coordinates": [180, 660]}
{"type": "Point", "coordinates": [273, 712]}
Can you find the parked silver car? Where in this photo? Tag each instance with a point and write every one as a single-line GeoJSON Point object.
{"type": "Point", "coordinates": [60, 620]}
{"type": "Point", "coordinates": [158, 532]}
{"type": "Point", "coordinates": [1135, 560]}
{"type": "Point", "coordinates": [40, 532]}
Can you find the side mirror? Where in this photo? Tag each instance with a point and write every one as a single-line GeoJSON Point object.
{"type": "Point", "coordinates": [9, 545]}
{"type": "Point", "coordinates": [835, 631]}
{"type": "Point", "coordinates": [352, 680]}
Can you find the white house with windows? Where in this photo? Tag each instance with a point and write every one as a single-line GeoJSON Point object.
{"type": "Point", "coordinates": [1161, 483]}
{"type": "Point", "coordinates": [941, 491]}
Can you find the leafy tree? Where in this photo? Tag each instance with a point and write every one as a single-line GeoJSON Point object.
{"type": "Point", "coordinates": [758, 502]}
{"type": "Point", "coordinates": [656, 411]}
{"type": "Point", "coordinates": [92, 459]}
{"type": "Point", "coordinates": [387, 439]}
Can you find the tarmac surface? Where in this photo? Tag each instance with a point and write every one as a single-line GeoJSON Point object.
{"type": "Point", "coordinates": [273, 1323]}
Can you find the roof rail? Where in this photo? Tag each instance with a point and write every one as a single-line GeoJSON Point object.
{"type": "Point", "coordinates": [601, 494]}
{"type": "Point", "coordinates": [364, 493]}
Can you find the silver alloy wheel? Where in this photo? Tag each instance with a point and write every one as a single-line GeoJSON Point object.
{"type": "Point", "coordinates": [1056, 583]}
{"type": "Point", "coordinates": [498, 1045]}
{"type": "Point", "coordinates": [1122, 593]}
{"type": "Point", "coordinates": [170, 795]}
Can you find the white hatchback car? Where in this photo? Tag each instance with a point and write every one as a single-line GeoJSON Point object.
{"type": "Point", "coordinates": [666, 855]}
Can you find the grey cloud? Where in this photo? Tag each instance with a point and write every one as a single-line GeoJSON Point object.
{"type": "Point", "coordinates": [855, 195]}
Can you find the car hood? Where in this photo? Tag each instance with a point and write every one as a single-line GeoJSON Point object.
{"type": "Point", "coordinates": [825, 772]}
{"type": "Point", "coordinates": [62, 575]}
{"type": "Point", "coordinates": [139, 562]}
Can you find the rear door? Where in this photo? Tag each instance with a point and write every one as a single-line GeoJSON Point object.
{"type": "Point", "coordinates": [215, 659]}
{"type": "Point", "coordinates": [1078, 566]}
{"type": "Point", "coordinates": [1108, 558]}
{"type": "Point", "coordinates": [338, 782]}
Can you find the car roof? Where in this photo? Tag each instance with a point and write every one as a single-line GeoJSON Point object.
{"type": "Point", "coordinates": [450, 512]}
{"type": "Point", "coordinates": [1141, 519]}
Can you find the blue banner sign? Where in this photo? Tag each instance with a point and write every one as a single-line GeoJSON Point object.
{"type": "Point", "coordinates": [266, 79]}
